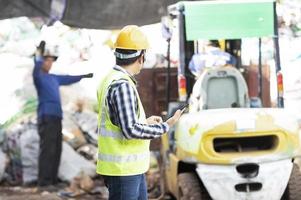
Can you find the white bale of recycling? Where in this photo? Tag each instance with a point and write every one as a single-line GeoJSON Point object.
{"type": "Point", "coordinates": [72, 164]}
{"type": "Point", "coordinates": [29, 144]}
{"type": "Point", "coordinates": [2, 164]}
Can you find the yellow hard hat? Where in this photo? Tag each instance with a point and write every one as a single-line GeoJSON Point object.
{"type": "Point", "coordinates": [132, 38]}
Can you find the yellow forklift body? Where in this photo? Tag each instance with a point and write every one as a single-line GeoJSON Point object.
{"type": "Point", "coordinates": [228, 136]}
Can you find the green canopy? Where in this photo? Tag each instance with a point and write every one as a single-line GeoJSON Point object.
{"type": "Point", "coordinates": [228, 19]}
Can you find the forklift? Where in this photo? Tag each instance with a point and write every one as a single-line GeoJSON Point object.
{"type": "Point", "coordinates": [221, 148]}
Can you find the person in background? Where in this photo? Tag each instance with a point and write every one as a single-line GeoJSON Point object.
{"type": "Point", "coordinates": [49, 113]}
{"type": "Point", "coordinates": [124, 130]}
{"type": "Point", "coordinates": [211, 56]}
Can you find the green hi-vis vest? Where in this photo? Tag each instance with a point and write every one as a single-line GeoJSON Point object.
{"type": "Point", "coordinates": [118, 156]}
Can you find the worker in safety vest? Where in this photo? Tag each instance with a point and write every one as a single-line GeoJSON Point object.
{"type": "Point", "coordinates": [124, 131]}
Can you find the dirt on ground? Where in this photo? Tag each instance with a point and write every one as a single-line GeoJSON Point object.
{"type": "Point", "coordinates": [98, 193]}
{"type": "Point", "coordinates": [25, 193]}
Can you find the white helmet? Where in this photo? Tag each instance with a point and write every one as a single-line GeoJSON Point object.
{"type": "Point", "coordinates": [48, 49]}
{"type": "Point", "coordinates": [51, 50]}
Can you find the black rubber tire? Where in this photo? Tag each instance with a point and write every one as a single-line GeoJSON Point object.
{"type": "Point", "coordinates": [293, 189]}
{"type": "Point", "coordinates": [190, 187]}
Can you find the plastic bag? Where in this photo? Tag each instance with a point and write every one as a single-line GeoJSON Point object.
{"type": "Point", "coordinates": [72, 164]}
{"type": "Point", "coordinates": [29, 144]}
{"type": "Point", "coordinates": [2, 164]}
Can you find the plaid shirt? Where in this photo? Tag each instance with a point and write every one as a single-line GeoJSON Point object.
{"type": "Point", "coordinates": [123, 109]}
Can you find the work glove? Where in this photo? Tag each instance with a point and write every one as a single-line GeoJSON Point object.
{"type": "Point", "coordinates": [41, 48]}
{"type": "Point", "coordinates": [90, 75]}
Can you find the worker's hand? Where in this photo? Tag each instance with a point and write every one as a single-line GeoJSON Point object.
{"type": "Point", "coordinates": [173, 120]}
{"type": "Point", "coordinates": [41, 48]}
{"type": "Point", "coordinates": [154, 120]}
{"type": "Point", "coordinates": [90, 75]}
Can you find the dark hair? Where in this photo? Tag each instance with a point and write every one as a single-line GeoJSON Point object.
{"type": "Point", "coordinates": [54, 57]}
{"type": "Point", "coordinates": [214, 43]}
{"type": "Point", "coordinates": [125, 62]}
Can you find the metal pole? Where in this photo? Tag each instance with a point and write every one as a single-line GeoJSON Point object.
{"type": "Point", "coordinates": [182, 74]}
{"type": "Point", "coordinates": [181, 68]}
{"type": "Point", "coordinates": [168, 74]}
{"type": "Point", "coordinates": [260, 70]}
{"type": "Point", "coordinates": [277, 55]}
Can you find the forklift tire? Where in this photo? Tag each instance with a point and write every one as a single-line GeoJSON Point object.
{"type": "Point", "coordinates": [190, 187]}
{"type": "Point", "coordinates": [293, 189]}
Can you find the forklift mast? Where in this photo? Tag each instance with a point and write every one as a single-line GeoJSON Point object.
{"type": "Point", "coordinates": [186, 52]}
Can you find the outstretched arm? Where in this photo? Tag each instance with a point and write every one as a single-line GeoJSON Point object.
{"type": "Point", "coordinates": [67, 79]}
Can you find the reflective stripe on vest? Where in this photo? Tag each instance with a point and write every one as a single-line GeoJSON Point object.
{"type": "Point", "coordinates": [106, 133]}
{"type": "Point", "coordinates": [123, 158]}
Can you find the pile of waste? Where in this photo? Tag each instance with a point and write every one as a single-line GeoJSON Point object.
{"type": "Point", "coordinates": [81, 51]}
{"type": "Point", "coordinates": [289, 17]}
{"type": "Point", "coordinates": [19, 150]}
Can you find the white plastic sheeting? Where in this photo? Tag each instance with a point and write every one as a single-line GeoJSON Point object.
{"type": "Point", "coordinates": [29, 141]}
{"type": "Point", "coordinates": [87, 121]}
{"type": "Point", "coordinates": [72, 164]}
{"type": "Point", "coordinates": [2, 164]}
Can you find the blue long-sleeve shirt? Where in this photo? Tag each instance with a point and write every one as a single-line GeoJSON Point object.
{"type": "Point", "coordinates": [47, 86]}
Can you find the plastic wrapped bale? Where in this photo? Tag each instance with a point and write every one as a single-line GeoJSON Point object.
{"type": "Point", "coordinates": [29, 144]}
{"type": "Point", "coordinates": [89, 151]}
{"type": "Point", "coordinates": [2, 164]}
{"type": "Point", "coordinates": [13, 151]}
{"type": "Point", "coordinates": [87, 121]}
{"type": "Point", "coordinates": [2, 135]}
{"type": "Point", "coordinates": [72, 164]}
{"type": "Point", "coordinates": [2, 155]}
{"type": "Point", "coordinates": [72, 134]}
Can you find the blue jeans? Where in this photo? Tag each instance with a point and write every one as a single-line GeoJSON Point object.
{"type": "Point", "coordinates": [126, 187]}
